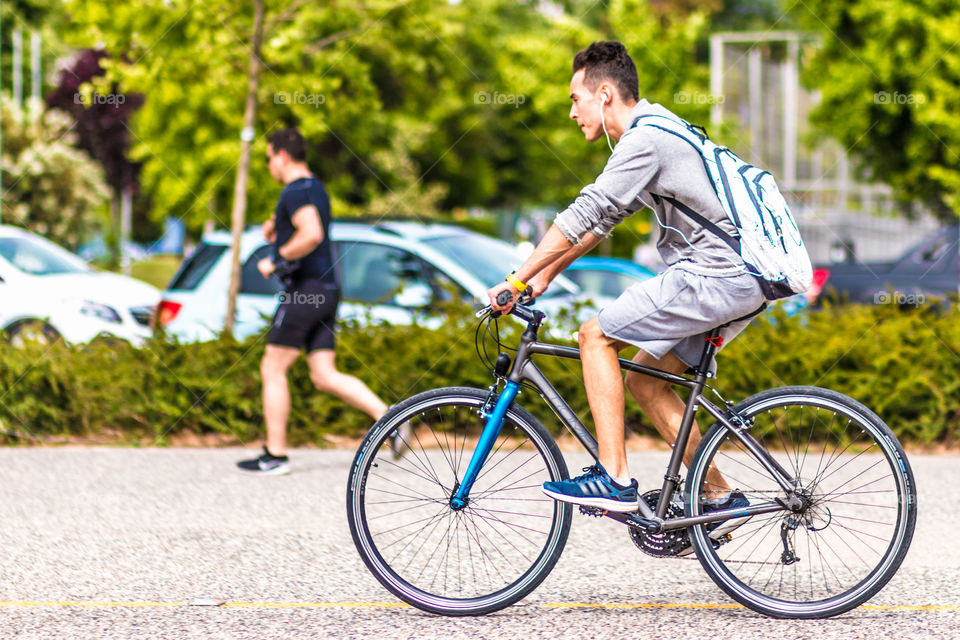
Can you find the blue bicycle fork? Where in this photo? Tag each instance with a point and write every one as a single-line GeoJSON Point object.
{"type": "Point", "coordinates": [489, 436]}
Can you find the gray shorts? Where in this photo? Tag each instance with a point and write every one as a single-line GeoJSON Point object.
{"type": "Point", "coordinates": [675, 311]}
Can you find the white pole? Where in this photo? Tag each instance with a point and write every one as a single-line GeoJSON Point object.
{"type": "Point", "coordinates": [1, 124]}
{"type": "Point", "coordinates": [716, 79]}
{"type": "Point", "coordinates": [125, 225]}
{"type": "Point", "coordinates": [18, 66]}
{"type": "Point", "coordinates": [790, 118]}
{"type": "Point", "coordinates": [755, 93]}
{"type": "Point", "coordinates": [35, 86]}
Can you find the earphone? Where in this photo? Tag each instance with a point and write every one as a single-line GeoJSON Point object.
{"type": "Point", "coordinates": [603, 100]}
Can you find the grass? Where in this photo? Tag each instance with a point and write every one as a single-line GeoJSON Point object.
{"type": "Point", "coordinates": [156, 270]}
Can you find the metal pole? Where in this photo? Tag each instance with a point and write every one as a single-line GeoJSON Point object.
{"type": "Point", "coordinates": [35, 86]}
{"type": "Point", "coordinates": [755, 93]}
{"type": "Point", "coordinates": [1, 118]}
{"type": "Point", "coordinates": [125, 225]}
{"type": "Point", "coordinates": [716, 80]}
{"type": "Point", "coordinates": [790, 118]}
{"type": "Point", "coordinates": [18, 66]}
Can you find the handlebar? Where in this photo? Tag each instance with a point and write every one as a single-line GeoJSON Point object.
{"type": "Point", "coordinates": [504, 297]}
{"type": "Point", "coordinates": [519, 309]}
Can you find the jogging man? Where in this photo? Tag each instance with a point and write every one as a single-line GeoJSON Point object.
{"type": "Point", "coordinates": [704, 286]}
{"type": "Point", "coordinates": [306, 316]}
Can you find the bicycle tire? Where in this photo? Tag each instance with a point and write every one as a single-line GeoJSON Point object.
{"type": "Point", "coordinates": [489, 571]}
{"type": "Point", "coordinates": [860, 505]}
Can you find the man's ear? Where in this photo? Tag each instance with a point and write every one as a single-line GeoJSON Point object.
{"type": "Point", "coordinates": [606, 89]}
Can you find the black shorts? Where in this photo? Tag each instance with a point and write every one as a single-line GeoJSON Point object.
{"type": "Point", "coordinates": [306, 316]}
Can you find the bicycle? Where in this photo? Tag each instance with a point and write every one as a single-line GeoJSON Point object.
{"type": "Point", "coordinates": [459, 525]}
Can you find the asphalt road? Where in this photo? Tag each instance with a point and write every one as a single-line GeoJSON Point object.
{"type": "Point", "coordinates": [118, 543]}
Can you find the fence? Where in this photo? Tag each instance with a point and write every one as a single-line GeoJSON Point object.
{"type": "Point", "coordinates": [755, 85]}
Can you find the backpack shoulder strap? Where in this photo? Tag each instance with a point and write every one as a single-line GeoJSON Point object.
{"type": "Point", "coordinates": [686, 132]}
{"type": "Point", "coordinates": [731, 241]}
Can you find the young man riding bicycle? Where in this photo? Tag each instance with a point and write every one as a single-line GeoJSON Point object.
{"type": "Point", "coordinates": [706, 284]}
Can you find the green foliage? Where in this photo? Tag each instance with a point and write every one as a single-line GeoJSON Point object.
{"type": "Point", "coordinates": [901, 364]}
{"type": "Point", "coordinates": [410, 107]}
{"type": "Point", "coordinates": [888, 73]}
{"type": "Point", "coordinates": [49, 186]}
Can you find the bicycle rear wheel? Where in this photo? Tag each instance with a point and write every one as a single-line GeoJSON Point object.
{"type": "Point", "coordinates": [472, 561]}
{"type": "Point", "coordinates": [851, 539]}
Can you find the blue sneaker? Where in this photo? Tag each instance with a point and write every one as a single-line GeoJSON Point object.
{"type": "Point", "coordinates": [595, 488]}
{"type": "Point", "coordinates": [715, 531]}
{"type": "Point", "coordinates": [735, 500]}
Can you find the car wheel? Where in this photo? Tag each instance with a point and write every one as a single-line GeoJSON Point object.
{"type": "Point", "coordinates": [26, 331]}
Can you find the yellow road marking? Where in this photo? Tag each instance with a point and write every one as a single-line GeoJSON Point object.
{"type": "Point", "coordinates": [69, 603]}
{"type": "Point", "coordinates": [395, 605]}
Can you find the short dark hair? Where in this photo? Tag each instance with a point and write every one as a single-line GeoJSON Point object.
{"type": "Point", "coordinates": [608, 60]}
{"type": "Point", "coordinates": [291, 141]}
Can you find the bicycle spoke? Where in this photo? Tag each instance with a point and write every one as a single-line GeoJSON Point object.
{"type": "Point", "coordinates": [848, 481]}
{"type": "Point", "coordinates": [491, 543]}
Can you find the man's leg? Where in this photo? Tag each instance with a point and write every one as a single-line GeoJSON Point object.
{"type": "Point", "coordinates": [276, 395]}
{"type": "Point", "coordinates": [610, 487]}
{"type": "Point", "coordinates": [665, 409]}
{"type": "Point", "coordinates": [325, 377]}
{"type": "Point", "coordinates": [604, 385]}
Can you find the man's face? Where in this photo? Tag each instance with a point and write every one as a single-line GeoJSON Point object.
{"type": "Point", "coordinates": [586, 107]}
{"type": "Point", "coordinates": [275, 162]}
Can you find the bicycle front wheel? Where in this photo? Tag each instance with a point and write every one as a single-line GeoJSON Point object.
{"type": "Point", "coordinates": [852, 536]}
{"type": "Point", "coordinates": [470, 561]}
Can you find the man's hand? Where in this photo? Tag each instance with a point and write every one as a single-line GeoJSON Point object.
{"type": "Point", "coordinates": [270, 230]}
{"type": "Point", "coordinates": [537, 285]}
{"type": "Point", "coordinates": [266, 267]}
{"type": "Point", "coordinates": [495, 291]}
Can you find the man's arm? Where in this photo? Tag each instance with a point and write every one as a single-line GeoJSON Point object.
{"type": "Point", "coordinates": [553, 254]}
{"type": "Point", "coordinates": [587, 243]}
{"type": "Point", "coordinates": [615, 193]}
{"type": "Point", "coordinates": [307, 236]}
{"type": "Point", "coordinates": [270, 229]}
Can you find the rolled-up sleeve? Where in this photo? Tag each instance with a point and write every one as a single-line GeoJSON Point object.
{"type": "Point", "coordinates": [614, 195]}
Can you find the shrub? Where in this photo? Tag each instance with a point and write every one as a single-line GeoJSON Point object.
{"type": "Point", "coordinates": [904, 365]}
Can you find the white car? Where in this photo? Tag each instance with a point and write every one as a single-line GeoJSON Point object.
{"type": "Point", "coordinates": [390, 272]}
{"type": "Point", "coordinates": [47, 293]}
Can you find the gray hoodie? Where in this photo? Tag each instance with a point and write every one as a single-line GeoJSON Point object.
{"type": "Point", "coordinates": [648, 161]}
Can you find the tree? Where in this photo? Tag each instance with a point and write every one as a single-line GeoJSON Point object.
{"type": "Point", "coordinates": [102, 122]}
{"type": "Point", "coordinates": [50, 187]}
{"type": "Point", "coordinates": [889, 75]}
{"type": "Point", "coordinates": [410, 107]}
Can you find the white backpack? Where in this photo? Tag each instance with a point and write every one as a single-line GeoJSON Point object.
{"type": "Point", "coordinates": [769, 240]}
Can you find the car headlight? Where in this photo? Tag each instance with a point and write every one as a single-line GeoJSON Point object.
{"type": "Point", "coordinates": [100, 311]}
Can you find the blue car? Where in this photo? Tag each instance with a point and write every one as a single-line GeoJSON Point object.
{"type": "Point", "coordinates": [606, 278]}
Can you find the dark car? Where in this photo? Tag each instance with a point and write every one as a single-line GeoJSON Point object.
{"type": "Point", "coordinates": [931, 269]}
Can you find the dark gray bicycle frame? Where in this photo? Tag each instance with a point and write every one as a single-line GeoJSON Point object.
{"type": "Point", "coordinates": [524, 370]}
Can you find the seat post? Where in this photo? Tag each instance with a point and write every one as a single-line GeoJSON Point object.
{"type": "Point", "coordinates": [710, 347]}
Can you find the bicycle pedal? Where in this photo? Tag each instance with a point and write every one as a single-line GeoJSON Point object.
{"type": "Point", "coordinates": [592, 511]}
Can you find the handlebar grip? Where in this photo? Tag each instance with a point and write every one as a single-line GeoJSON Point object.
{"type": "Point", "coordinates": [503, 298]}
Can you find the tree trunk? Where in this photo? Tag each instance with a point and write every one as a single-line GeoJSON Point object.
{"type": "Point", "coordinates": [238, 216]}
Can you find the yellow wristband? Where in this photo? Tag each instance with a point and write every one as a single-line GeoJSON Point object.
{"type": "Point", "coordinates": [515, 281]}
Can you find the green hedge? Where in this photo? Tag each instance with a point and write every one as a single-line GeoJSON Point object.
{"type": "Point", "coordinates": [904, 365]}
